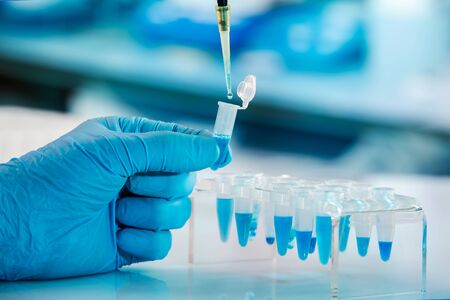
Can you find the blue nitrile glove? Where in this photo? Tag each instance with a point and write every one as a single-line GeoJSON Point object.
{"type": "Point", "coordinates": [102, 196]}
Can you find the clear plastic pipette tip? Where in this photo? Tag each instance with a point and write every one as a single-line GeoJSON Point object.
{"type": "Point", "coordinates": [230, 95]}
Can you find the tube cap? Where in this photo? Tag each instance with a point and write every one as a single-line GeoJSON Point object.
{"type": "Point", "coordinates": [247, 90]}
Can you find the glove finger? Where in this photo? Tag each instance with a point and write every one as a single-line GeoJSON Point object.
{"type": "Point", "coordinates": [153, 213]}
{"type": "Point", "coordinates": [171, 152]}
{"type": "Point", "coordinates": [162, 185]}
{"type": "Point", "coordinates": [136, 245]}
{"type": "Point", "coordinates": [142, 125]}
{"type": "Point", "coordinates": [223, 160]}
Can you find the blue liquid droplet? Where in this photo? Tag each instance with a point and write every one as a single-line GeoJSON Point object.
{"type": "Point", "coordinates": [303, 243]}
{"type": "Point", "coordinates": [344, 231]}
{"type": "Point", "coordinates": [312, 247]}
{"type": "Point", "coordinates": [385, 250]}
{"type": "Point", "coordinates": [283, 227]}
{"type": "Point", "coordinates": [243, 221]}
{"type": "Point", "coordinates": [323, 231]}
{"type": "Point", "coordinates": [223, 142]}
{"type": "Point", "coordinates": [270, 240]}
{"type": "Point", "coordinates": [224, 216]}
{"type": "Point", "coordinates": [363, 245]}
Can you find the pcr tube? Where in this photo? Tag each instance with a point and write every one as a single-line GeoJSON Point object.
{"type": "Point", "coordinates": [242, 192]}
{"type": "Point", "coordinates": [303, 203]}
{"type": "Point", "coordinates": [359, 199]}
{"type": "Point", "coordinates": [224, 203]}
{"type": "Point", "coordinates": [256, 207]}
{"type": "Point", "coordinates": [268, 208]}
{"type": "Point", "coordinates": [327, 207]}
{"type": "Point", "coordinates": [385, 220]}
{"type": "Point", "coordinates": [343, 187]}
{"type": "Point", "coordinates": [282, 215]}
{"type": "Point", "coordinates": [226, 116]}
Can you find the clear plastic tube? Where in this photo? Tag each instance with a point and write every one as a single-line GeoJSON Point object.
{"type": "Point", "coordinates": [385, 221]}
{"type": "Point", "coordinates": [242, 192]}
{"type": "Point", "coordinates": [303, 218]}
{"type": "Point", "coordinates": [224, 203]}
{"type": "Point", "coordinates": [283, 215]}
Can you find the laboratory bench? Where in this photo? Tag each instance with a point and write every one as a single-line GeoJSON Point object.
{"type": "Point", "coordinates": [263, 279]}
{"type": "Point", "coordinates": [176, 278]}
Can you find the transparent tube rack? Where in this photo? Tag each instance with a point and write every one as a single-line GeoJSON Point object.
{"type": "Point", "coordinates": [315, 215]}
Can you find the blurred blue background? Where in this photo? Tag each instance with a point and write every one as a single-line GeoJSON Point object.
{"type": "Point", "coordinates": [362, 86]}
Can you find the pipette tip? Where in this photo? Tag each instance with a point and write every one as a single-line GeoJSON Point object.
{"type": "Point", "coordinates": [230, 95]}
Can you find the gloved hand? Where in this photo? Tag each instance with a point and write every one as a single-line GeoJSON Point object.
{"type": "Point", "coordinates": [100, 197]}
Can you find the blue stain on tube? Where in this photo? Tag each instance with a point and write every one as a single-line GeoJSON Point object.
{"type": "Point", "coordinates": [222, 141]}
{"type": "Point", "coordinates": [312, 247]}
{"type": "Point", "coordinates": [303, 243]}
{"type": "Point", "coordinates": [385, 250]}
{"type": "Point", "coordinates": [363, 245]}
{"type": "Point", "coordinates": [283, 225]}
{"type": "Point", "coordinates": [224, 216]}
{"type": "Point", "coordinates": [243, 221]}
{"type": "Point", "coordinates": [323, 231]}
{"type": "Point", "coordinates": [344, 231]}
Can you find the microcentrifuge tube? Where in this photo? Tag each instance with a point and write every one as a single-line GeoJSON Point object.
{"type": "Point", "coordinates": [328, 207]}
{"type": "Point", "coordinates": [224, 216]}
{"type": "Point", "coordinates": [343, 186]}
{"type": "Point", "coordinates": [304, 219]}
{"type": "Point", "coordinates": [384, 197]}
{"type": "Point", "coordinates": [323, 231]}
{"type": "Point", "coordinates": [224, 203]}
{"type": "Point", "coordinates": [226, 116]}
{"type": "Point", "coordinates": [243, 186]}
{"type": "Point", "coordinates": [243, 221]}
{"type": "Point", "coordinates": [269, 228]}
{"type": "Point", "coordinates": [359, 198]}
{"type": "Point", "coordinates": [283, 216]}
{"type": "Point", "coordinates": [283, 225]}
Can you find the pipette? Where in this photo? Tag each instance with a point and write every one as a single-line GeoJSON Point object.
{"type": "Point", "coordinates": [223, 22]}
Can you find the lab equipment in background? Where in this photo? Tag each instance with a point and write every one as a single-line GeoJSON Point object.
{"type": "Point", "coordinates": [291, 205]}
{"type": "Point", "coordinates": [226, 116]}
{"type": "Point", "coordinates": [313, 36]}
{"type": "Point", "coordinates": [45, 15]}
{"type": "Point", "coordinates": [223, 22]}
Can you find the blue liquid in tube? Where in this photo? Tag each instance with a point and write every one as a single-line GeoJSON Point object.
{"type": "Point", "coordinates": [254, 223]}
{"type": "Point", "coordinates": [291, 239]}
{"type": "Point", "coordinates": [363, 245]}
{"type": "Point", "coordinates": [303, 243]}
{"type": "Point", "coordinates": [344, 231]}
{"type": "Point", "coordinates": [270, 240]}
{"type": "Point", "coordinates": [283, 225]}
{"type": "Point", "coordinates": [243, 221]}
{"type": "Point", "coordinates": [222, 141]}
{"type": "Point", "coordinates": [312, 247]}
{"type": "Point", "coordinates": [323, 231]}
{"type": "Point", "coordinates": [224, 216]}
{"type": "Point", "coordinates": [385, 250]}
